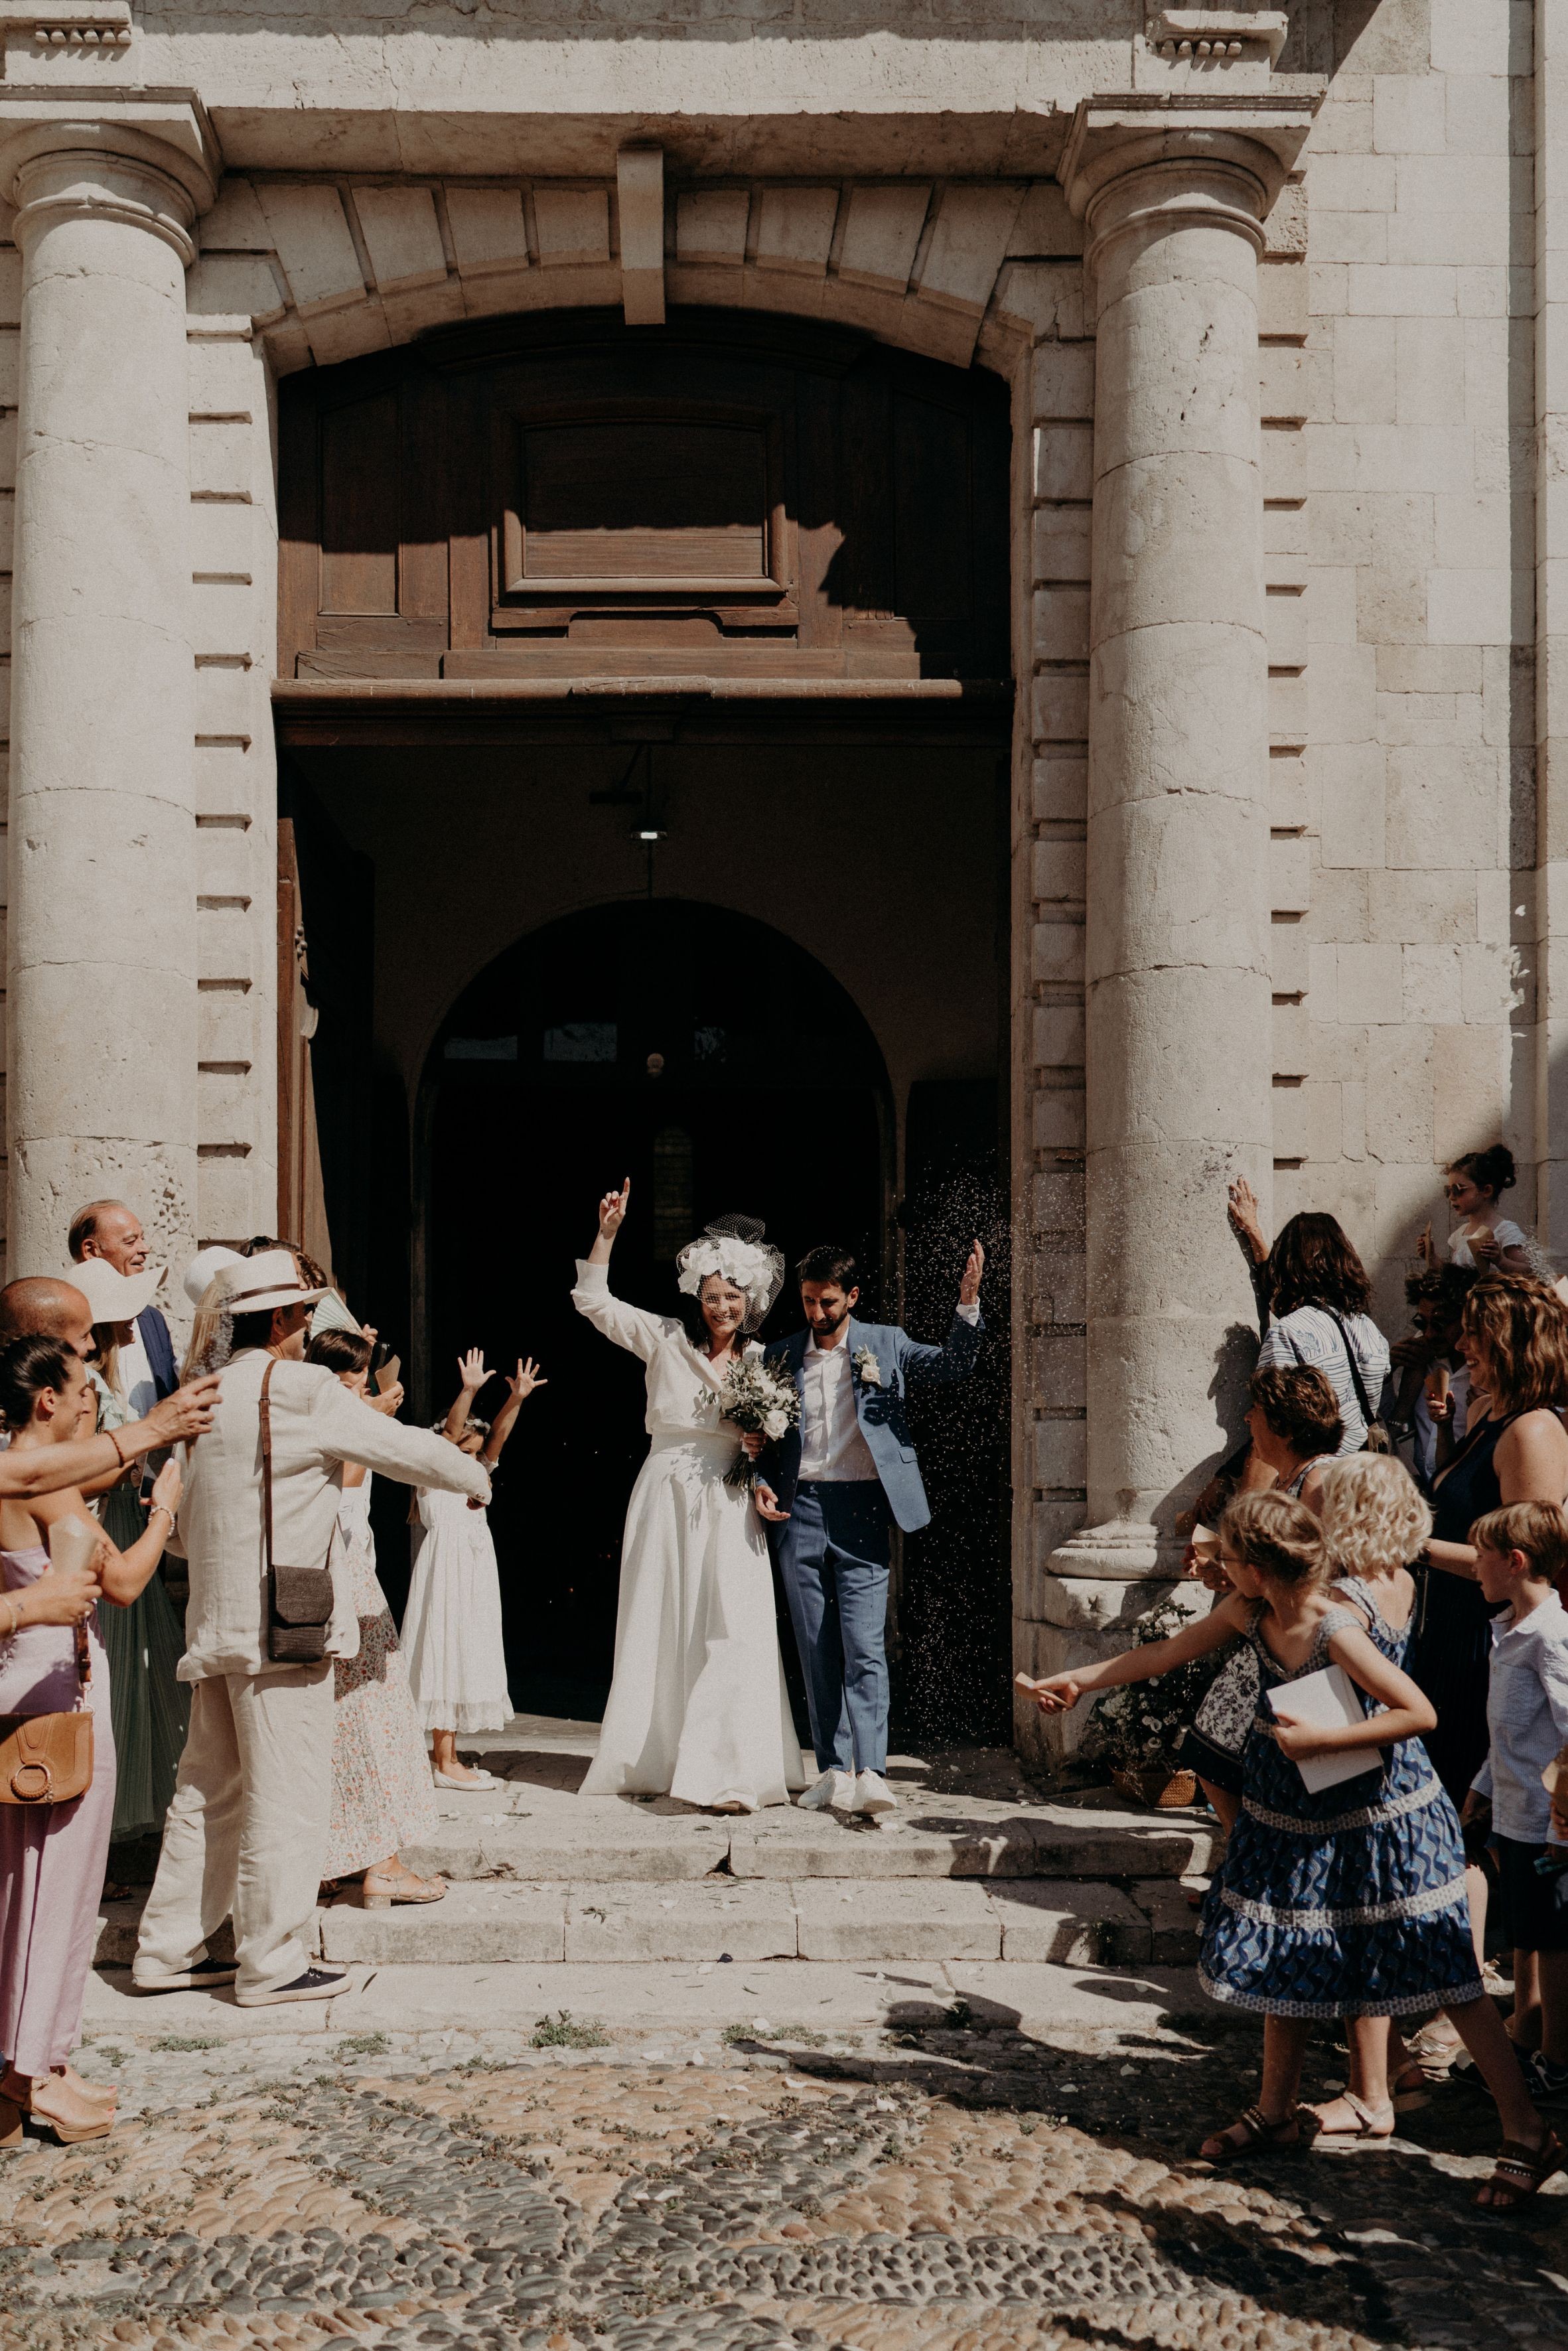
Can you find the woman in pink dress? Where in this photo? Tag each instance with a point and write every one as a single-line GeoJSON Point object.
{"type": "Point", "coordinates": [52, 1856]}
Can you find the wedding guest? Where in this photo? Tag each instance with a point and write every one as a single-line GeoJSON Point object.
{"type": "Point", "coordinates": [1484, 1240]}
{"type": "Point", "coordinates": [1522, 1555]}
{"type": "Point", "coordinates": [52, 1856]}
{"type": "Point", "coordinates": [110, 1231]}
{"type": "Point", "coordinates": [452, 1626]}
{"type": "Point", "coordinates": [1433, 1402]}
{"type": "Point", "coordinates": [150, 1707]}
{"type": "Point", "coordinates": [1375, 1524]}
{"type": "Point", "coordinates": [1321, 1895]}
{"type": "Point", "coordinates": [1313, 1293]}
{"type": "Point", "coordinates": [699, 1707]}
{"type": "Point", "coordinates": [382, 1795]}
{"type": "Point", "coordinates": [246, 1832]}
{"type": "Point", "coordinates": [1294, 1423]}
{"type": "Point", "coordinates": [46, 1305]}
{"type": "Point", "coordinates": [836, 1486]}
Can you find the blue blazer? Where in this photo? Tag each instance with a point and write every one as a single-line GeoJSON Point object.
{"type": "Point", "coordinates": [879, 1407]}
{"type": "Point", "coordinates": [155, 1335]}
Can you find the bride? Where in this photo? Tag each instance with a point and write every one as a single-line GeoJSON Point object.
{"type": "Point", "coordinates": [697, 1706]}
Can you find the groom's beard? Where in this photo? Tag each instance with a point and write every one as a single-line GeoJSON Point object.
{"type": "Point", "coordinates": [826, 1326]}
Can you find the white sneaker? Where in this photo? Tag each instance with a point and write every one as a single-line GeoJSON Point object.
{"type": "Point", "coordinates": [474, 1787]}
{"type": "Point", "coordinates": [873, 1795]}
{"type": "Point", "coordinates": [832, 1793]}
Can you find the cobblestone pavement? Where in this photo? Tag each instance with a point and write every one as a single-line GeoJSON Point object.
{"type": "Point", "coordinates": [956, 2186]}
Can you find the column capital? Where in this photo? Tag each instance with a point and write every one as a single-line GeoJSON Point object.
{"type": "Point", "coordinates": [1251, 141]}
{"type": "Point", "coordinates": [152, 162]}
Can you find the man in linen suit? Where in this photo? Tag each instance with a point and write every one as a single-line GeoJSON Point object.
{"type": "Point", "coordinates": [831, 1492]}
{"type": "Point", "coordinates": [246, 1833]}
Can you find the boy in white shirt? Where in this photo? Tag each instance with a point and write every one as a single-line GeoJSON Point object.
{"type": "Point", "coordinates": [1522, 1556]}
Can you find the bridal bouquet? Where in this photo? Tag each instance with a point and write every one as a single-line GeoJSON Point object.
{"type": "Point", "coordinates": [760, 1397]}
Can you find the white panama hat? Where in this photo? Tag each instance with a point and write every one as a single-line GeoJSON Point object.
{"type": "Point", "coordinates": [204, 1268]}
{"type": "Point", "coordinates": [253, 1285]}
{"type": "Point", "coordinates": [112, 1296]}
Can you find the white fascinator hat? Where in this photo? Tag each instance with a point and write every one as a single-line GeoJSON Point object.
{"type": "Point", "coordinates": [736, 1247]}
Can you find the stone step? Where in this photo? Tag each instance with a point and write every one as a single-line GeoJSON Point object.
{"type": "Point", "coordinates": [1088, 1922]}
{"type": "Point", "coordinates": [1085, 1923]}
{"type": "Point", "coordinates": [510, 1834]}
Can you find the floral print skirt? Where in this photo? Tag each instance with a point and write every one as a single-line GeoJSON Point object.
{"type": "Point", "coordinates": [382, 1796]}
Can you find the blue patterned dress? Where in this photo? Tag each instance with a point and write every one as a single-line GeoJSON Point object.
{"type": "Point", "coordinates": [1348, 1903]}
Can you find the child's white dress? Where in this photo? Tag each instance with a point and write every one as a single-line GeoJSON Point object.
{"type": "Point", "coordinates": [452, 1627]}
{"type": "Point", "coordinates": [1508, 1234]}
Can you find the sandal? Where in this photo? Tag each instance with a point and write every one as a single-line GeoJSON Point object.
{"type": "Point", "coordinates": [381, 1889]}
{"type": "Point", "coordinates": [1264, 2137]}
{"type": "Point", "coordinates": [1520, 2172]}
{"type": "Point", "coordinates": [1365, 2123]}
{"type": "Point", "coordinates": [1409, 2088]}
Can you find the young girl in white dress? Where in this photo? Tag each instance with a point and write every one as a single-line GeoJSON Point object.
{"type": "Point", "coordinates": [698, 1707]}
{"type": "Point", "coordinates": [1483, 1240]}
{"type": "Point", "coordinates": [452, 1626]}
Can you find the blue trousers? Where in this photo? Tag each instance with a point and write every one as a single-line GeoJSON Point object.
{"type": "Point", "coordinates": [832, 1558]}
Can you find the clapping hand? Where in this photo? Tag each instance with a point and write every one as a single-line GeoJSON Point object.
{"type": "Point", "coordinates": [387, 1400]}
{"type": "Point", "coordinates": [167, 1488]}
{"type": "Point", "coordinates": [528, 1378]}
{"type": "Point", "coordinates": [613, 1211]}
{"type": "Point", "coordinates": [1056, 1694]}
{"type": "Point", "coordinates": [472, 1373]}
{"type": "Point", "coordinates": [969, 1288]}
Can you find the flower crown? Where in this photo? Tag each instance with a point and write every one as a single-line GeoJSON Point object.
{"type": "Point", "coordinates": [753, 1267]}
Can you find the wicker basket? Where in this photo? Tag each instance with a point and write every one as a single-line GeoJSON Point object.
{"type": "Point", "coordinates": [1165, 1790]}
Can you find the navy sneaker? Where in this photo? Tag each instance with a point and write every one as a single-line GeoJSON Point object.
{"type": "Point", "coordinates": [316, 1983]}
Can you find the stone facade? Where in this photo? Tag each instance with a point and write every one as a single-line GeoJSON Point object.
{"type": "Point", "coordinates": [1273, 291]}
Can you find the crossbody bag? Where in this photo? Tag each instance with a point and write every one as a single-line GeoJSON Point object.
{"type": "Point", "coordinates": [298, 1599]}
{"type": "Point", "coordinates": [1377, 1439]}
{"type": "Point", "coordinates": [46, 1759]}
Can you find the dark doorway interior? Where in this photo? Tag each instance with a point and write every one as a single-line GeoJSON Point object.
{"type": "Point", "coordinates": [546, 1089]}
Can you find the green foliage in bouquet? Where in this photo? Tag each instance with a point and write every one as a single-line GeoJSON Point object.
{"type": "Point", "coordinates": [1141, 1727]}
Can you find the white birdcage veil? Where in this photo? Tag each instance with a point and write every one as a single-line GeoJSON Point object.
{"type": "Point", "coordinates": [735, 1247]}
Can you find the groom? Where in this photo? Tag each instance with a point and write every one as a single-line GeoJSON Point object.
{"type": "Point", "coordinates": [833, 1488]}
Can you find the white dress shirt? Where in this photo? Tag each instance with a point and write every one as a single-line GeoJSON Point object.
{"type": "Point", "coordinates": [832, 1450]}
{"type": "Point", "coordinates": [832, 1447]}
{"type": "Point", "coordinates": [1527, 1714]}
{"type": "Point", "coordinates": [137, 1385]}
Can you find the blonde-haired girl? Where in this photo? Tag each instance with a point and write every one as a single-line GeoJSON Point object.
{"type": "Point", "coordinates": [1349, 1902]}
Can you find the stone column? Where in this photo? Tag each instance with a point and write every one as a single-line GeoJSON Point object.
{"type": "Point", "coordinates": [1176, 966]}
{"type": "Point", "coordinates": [102, 931]}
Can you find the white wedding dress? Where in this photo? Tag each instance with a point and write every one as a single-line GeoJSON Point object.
{"type": "Point", "coordinates": [698, 1707]}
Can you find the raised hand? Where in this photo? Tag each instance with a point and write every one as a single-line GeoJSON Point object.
{"type": "Point", "coordinates": [472, 1373]}
{"type": "Point", "coordinates": [166, 1489]}
{"type": "Point", "coordinates": [1242, 1209]}
{"type": "Point", "coordinates": [388, 1400]}
{"type": "Point", "coordinates": [187, 1413]}
{"type": "Point", "coordinates": [528, 1378]}
{"type": "Point", "coordinates": [969, 1288]}
{"type": "Point", "coordinates": [1425, 1247]}
{"type": "Point", "coordinates": [613, 1211]}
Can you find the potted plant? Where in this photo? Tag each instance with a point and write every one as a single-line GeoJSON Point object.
{"type": "Point", "coordinates": [1139, 1730]}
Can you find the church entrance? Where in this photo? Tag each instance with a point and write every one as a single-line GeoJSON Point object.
{"type": "Point", "coordinates": [643, 722]}
{"type": "Point", "coordinates": [718, 1066]}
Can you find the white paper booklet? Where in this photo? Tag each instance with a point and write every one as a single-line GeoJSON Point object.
{"type": "Point", "coordinates": [1327, 1698]}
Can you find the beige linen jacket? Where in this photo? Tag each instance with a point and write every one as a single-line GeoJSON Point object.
{"type": "Point", "coordinates": [317, 1426]}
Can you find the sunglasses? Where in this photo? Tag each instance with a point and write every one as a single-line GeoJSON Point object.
{"type": "Point", "coordinates": [1453, 1191]}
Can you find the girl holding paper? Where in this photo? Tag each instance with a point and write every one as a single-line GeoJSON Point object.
{"type": "Point", "coordinates": [52, 1856]}
{"type": "Point", "coordinates": [1342, 1891]}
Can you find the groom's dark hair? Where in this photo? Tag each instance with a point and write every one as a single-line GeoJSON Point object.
{"type": "Point", "coordinates": [830, 1264]}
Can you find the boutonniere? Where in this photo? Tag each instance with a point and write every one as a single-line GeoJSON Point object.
{"type": "Point", "coordinates": [868, 1367]}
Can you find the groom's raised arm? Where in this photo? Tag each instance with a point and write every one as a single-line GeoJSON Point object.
{"type": "Point", "coordinates": [954, 1359]}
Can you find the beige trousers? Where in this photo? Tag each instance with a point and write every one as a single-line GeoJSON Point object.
{"type": "Point", "coordinates": [246, 1832]}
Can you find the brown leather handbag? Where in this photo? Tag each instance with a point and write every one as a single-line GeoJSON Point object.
{"type": "Point", "coordinates": [46, 1759]}
{"type": "Point", "coordinates": [298, 1599]}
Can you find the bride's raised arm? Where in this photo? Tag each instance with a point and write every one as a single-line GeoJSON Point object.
{"type": "Point", "coordinates": [629, 1326]}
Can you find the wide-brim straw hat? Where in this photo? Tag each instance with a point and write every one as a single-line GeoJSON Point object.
{"type": "Point", "coordinates": [257, 1284]}
{"type": "Point", "coordinates": [112, 1296]}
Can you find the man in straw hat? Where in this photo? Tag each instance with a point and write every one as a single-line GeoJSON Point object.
{"type": "Point", "coordinates": [246, 1832]}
